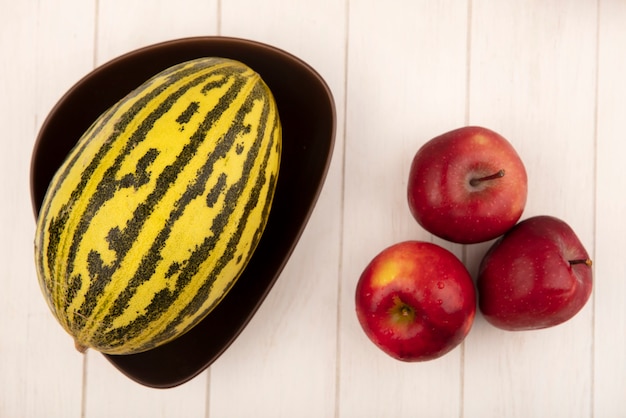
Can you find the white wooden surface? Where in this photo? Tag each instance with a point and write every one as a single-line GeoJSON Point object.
{"type": "Point", "coordinates": [549, 75]}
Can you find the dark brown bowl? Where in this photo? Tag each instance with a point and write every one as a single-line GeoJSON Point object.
{"type": "Point", "coordinates": [307, 112]}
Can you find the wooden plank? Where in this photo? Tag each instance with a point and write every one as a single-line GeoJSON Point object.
{"type": "Point", "coordinates": [40, 372]}
{"type": "Point", "coordinates": [532, 78]}
{"type": "Point", "coordinates": [111, 394]}
{"type": "Point", "coordinates": [124, 25]}
{"type": "Point", "coordinates": [119, 31]}
{"type": "Point", "coordinates": [283, 364]}
{"type": "Point", "coordinates": [401, 92]}
{"type": "Point", "coordinates": [609, 387]}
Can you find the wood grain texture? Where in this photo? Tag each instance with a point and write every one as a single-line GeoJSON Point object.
{"type": "Point", "coordinates": [534, 82]}
{"type": "Point", "coordinates": [609, 365]}
{"type": "Point", "coordinates": [401, 91]}
{"type": "Point", "coordinates": [547, 75]}
{"type": "Point", "coordinates": [124, 25]}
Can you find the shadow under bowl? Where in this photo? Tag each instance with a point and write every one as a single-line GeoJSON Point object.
{"type": "Point", "coordinates": [307, 113]}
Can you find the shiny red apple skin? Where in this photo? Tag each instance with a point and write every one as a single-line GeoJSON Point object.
{"type": "Point", "coordinates": [443, 201]}
{"type": "Point", "coordinates": [431, 285]}
{"type": "Point", "coordinates": [526, 280]}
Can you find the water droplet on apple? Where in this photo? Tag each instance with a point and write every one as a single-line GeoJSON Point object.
{"type": "Point", "coordinates": [440, 285]}
{"type": "Point", "coordinates": [439, 301]}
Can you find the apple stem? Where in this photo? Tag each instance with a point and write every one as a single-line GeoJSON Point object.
{"type": "Point", "coordinates": [401, 311]}
{"type": "Point", "coordinates": [476, 182]}
{"type": "Point", "coordinates": [580, 261]}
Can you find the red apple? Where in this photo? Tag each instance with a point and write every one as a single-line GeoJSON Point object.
{"type": "Point", "coordinates": [536, 276]}
{"type": "Point", "coordinates": [416, 301]}
{"type": "Point", "coordinates": [468, 185]}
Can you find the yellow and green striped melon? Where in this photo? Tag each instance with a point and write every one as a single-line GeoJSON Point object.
{"type": "Point", "coordinates": [156, 211]}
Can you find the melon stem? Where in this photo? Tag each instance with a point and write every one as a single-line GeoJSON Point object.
{"type": "Point", "coordinates": [80, 348]}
